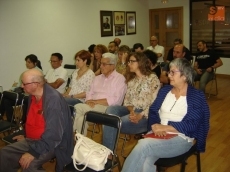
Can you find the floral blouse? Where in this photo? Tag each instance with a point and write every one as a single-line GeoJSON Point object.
{"type": "Point", "coordinates": [81, 84]}
{"type": "Point", "coordinates": [142, 92]}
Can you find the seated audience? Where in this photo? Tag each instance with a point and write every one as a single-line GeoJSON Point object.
{"type": "Point", "coordinates": [205, 63]}
{"type": "Point", "coordinates": [153, 59]}
{"type": "Point", "coordinates": [81, 80]}
{"type": "Point", "coordinates": [138, 47]}
{"type": "Point", "coordinates": [95, 63]}
{"type": "Point", "coordinates": [123, 53]}
{"type": "Point", "coordinates": [170, 52]}
{"type": "Point", "coordinates": [158, 49]}
{"type": "Point", "coordinates": [142, 90]}
{"type": "Point", "coordinates": [48, 128]}
{"type": "Point", "coordinates": [6, 106]}
{"type": "Point", "coordinates": [179, 51]}
{"type": "Point", "coordinates": [180, 109]}
{"type": "Point", "coordinates": [57, 76]}
{"type": "Point", "coordinates": [107, 89]}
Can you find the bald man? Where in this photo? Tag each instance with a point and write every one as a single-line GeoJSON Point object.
{"type": "Point", "coordinates": [159, 50]}
{"type": "Point", "coordinates": [179, 51]}
{"type": "Point", "coordinates": [48, 129]}
{"type": "Point", "coordinates": [118, 41]}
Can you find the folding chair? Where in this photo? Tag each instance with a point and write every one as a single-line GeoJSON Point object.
{"type": "Point", "coordinates": [181, 159]}
{"type": "Point", "coordinates": [19, 129]}
{"type": "Point", "coordinates": [213, 82]}
{"type": "Point", "coordinates": [70, 68]}
{"type": "Point", "coordinates": [6, 125]}
{"type": "Point", "coordinates": [103, 119]}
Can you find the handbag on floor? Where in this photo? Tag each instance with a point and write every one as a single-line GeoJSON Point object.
{"type": "Point", "coordinates": [89, 153]}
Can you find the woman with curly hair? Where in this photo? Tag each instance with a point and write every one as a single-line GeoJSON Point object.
{"type": "Point", "coordinates": [96, 59]}
{"type": "Point", "coordinates": [142, 90]}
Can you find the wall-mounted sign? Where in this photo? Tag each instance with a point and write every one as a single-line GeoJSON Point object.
{"type": "Point", "coordinates": [216, 13]}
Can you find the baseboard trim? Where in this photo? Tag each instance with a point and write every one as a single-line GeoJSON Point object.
{"type": "Point", "coordinates": [223, 76]}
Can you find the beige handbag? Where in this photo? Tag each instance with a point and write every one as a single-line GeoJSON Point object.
{"type": "Point", "coordinates": [89, 153]}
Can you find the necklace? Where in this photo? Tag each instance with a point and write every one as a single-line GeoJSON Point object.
{"type": "Point", "coordinates": [79, 73]}
{"type": "Point", "coordinates": [173, 105]}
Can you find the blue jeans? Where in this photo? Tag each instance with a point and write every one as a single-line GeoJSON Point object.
{"type": "Point", "coordinates": [204, 78]}
{"type": "Point", "coordinates": [127, 127]}
{"type": "Point", "coordinates": [149, 150]}
{"type": "Point", "coordinates": [72, 101]}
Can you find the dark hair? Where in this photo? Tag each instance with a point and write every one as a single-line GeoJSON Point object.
{"type": "Point", "coordinates": [151, 56]}
{"type": "Point", "coordinates": [34, 59]}
{"type": "Point", "coordinates": [84, 55]}
{"type": "Point", "coordinates": [137, 45]}
{"type": "Point", "coordinates": [178, 40]}
{"type": "Point", "coordinates": [58, 55]}
{"type": "Point", "coordinates": [113, 42]}
{"type": "Point", "coordinates": [143, 64]}
{"type": "Point", "coordinates": [202, 41]}
{"type": "Point", "coordinates": [91, 48]}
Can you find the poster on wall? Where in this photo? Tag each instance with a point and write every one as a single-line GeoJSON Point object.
{"type": "Point", "coordinates": [106, 23]}
{"type": "Point", "coordinates": [130, 23]}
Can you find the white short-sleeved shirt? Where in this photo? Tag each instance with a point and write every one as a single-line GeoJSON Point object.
{"type": "Point", "coordinates": [158, 49]}
{"type": "Point", "coordinates": [53, 74]}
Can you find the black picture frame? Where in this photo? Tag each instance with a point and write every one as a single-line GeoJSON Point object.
{"type": "Point", "coordinates": [119, 17]}
{"type": "Point", "coordinates": [106, 19]}
{"type": "Point", "coordinates": [130, 22]}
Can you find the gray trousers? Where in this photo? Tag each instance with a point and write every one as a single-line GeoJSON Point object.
{"type": "Point", "coordinates": [11, 154]}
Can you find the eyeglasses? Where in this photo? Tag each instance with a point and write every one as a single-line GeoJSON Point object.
{"type": "Point", "coordinates": [171, 72]}
{"type": "Point", "coordinates": [53, 61]}
{"type": "Point", "coordinates": [105, 64]}
{"type": "Point", "coordinates": [25, 84]}
{"type": "Point", "coordinates": [153, 40]}
{"type": "Point", "coordinates": [132, 61]}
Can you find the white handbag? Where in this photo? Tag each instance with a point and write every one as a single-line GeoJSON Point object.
{"type": "Point", "coordinates": [89, 153]}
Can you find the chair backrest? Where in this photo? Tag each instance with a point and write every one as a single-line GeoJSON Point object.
{"type": "Point", "coordinates": [103, 119]}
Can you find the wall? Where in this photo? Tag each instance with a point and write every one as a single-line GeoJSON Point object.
{"type": "Point", "coordinates": [66, 26]}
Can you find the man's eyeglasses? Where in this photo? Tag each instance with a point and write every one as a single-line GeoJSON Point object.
{"type": "Point", "coordinates": [25, 84]}
{"type": "Point", "coordinates": [172, 72]}
{"type": "Point", "coordinates": [152, 40]}
{"type": "Point", "coordinates": [132, 61]}
{"type": "Point", "coordinates": [105, 64]}
{"type": "Point", "coordinates": [53, 61]}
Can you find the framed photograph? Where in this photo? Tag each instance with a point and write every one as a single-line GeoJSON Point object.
{"type": "Point", "coordinates": [106, 23]}
{"type": "Point", "coordinates": [119, 17]}
{"type": "Point", "coordinates": [130, 23]}
{"type": "Point", "coordinates": [119, 30]}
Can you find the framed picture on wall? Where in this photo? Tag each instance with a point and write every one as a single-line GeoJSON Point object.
{"type": "Point", "coordinates": [119, 17]}
{"type": "Point", "coordinates": [130, 22]}
{"type": "Point", "coordinates": [106, 23]}
{"type": "Point", "coordinates": [119, 30]}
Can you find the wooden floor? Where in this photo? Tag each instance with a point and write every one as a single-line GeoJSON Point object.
{"type": "Point", "coordinates": [217, 155]}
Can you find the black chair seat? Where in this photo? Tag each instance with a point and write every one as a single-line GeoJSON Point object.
{"type": "Point", "coordinates": [6, 125]}
{"type": "Point", "coordinates": [70, 167]}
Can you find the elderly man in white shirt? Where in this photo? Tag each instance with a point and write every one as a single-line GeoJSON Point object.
{"type": "Point", "coordinates": [57, 76]}
{"type": "Point", "coordinates": [159, 50]}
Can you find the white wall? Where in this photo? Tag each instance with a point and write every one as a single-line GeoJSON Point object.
{"type": "Point", "coordinates": [66, 26]}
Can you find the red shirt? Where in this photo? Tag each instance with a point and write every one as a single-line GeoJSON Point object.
{"type": "Point", "coordinates": [35, 123]}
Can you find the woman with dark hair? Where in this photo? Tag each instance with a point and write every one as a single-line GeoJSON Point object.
{"type": "Point", "coordinates": [95, 63]}
{"type": "Point", "coordinates": [142, 90]}
{"type": "Point", "coordinates": [138, 47]}
{"type": "Point", "coordinates": [32, 61]}
{"type": "Point", "coordinates": [81, 80]}
{"type": "Point", "coordinates": [153, 59]}
{"type": "Point", "coordinates": [179, 109]}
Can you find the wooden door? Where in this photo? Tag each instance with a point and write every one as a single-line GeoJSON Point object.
{"type": "Point", "coordinates": [167, 25]}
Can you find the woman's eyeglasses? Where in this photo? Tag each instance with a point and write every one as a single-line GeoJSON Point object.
{"type": "Point", "coordinates": [172, 72]}
{"type": "Point", "coordinates": [132, 61]}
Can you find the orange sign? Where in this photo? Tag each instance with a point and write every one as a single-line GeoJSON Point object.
{"type": "Point", "coordinates": [216, 13]}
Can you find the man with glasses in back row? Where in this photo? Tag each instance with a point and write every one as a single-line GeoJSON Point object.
{"type": "Point", "coordinates": [106, 89]}
{"type": "Point", "coordinates": [57, 76]}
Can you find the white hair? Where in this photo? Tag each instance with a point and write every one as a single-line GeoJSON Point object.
{"type": "Point", "coordinates": [112, 58]}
